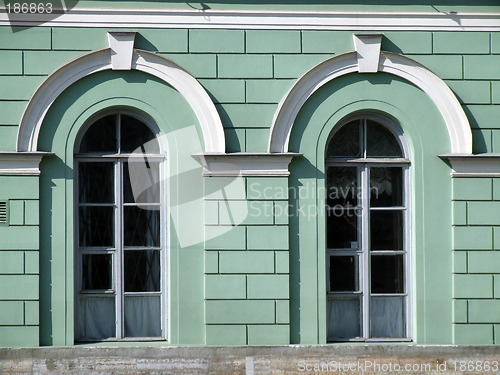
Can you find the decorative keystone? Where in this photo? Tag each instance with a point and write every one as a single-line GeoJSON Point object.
{"type": "Point", "coordinates": [121, 44]}
{"type": "Point", "coordinates": [368, 49]}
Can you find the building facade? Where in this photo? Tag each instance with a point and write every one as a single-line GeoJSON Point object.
{"type": "Point", "coordinates": [238, 173]}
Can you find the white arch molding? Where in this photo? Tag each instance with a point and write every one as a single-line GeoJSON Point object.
{"type": "Point", "coordinates": [148, 62]}
{"type": "Point", "coordinates": [453, 115]}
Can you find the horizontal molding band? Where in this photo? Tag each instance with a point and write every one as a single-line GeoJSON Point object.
{"type": "Point", "coordinates": [240, 19]}
{"type": "Point", "coordinates": [21, 163]}
{"type": "Point", "coordinates": [478, 165]}
{"type": "Point", "coordinates": [246, 164]}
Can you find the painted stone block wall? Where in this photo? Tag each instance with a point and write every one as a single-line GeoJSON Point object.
{"type": "Point", "coordinates": [476, 235]}
{"type": "Point", "coordinates": [246, 261]}
{"type": "Point", "coordinates": [247, 72]}
{"type": "Point", "coordinates": [19, 266]}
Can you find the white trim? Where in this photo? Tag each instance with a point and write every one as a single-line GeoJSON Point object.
{"type": "Point", "coordinates": [121, 44]}
{"type": "Point", "coordinates": [144, 61]}
{"type": "Point", "coordinates": [21, 163]}
{"type": "Point", "coordinates": [259, 19]}
{"type": "Point", "coordinates": [453, 115]}
{"type": "Point", "coordinates": [480, 165]}
{"type": "Point", "coordinates": [245, 164]}
{"type": "Point", "coordinates": [367, 48]}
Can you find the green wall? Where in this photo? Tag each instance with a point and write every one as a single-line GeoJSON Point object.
{"type": "Point", "coordinates": [274, 296]}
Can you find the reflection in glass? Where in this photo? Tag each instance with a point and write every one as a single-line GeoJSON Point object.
{"type": "Point", "coordinates": [342, 186]}
{"type": "Point", "coordinates": [96, 319]}
{"type": "Point", "coordinates": [343, 273]}
{"type": "Point", "coordinates": [142, 316]}
{"type": "Point", "coordinates": [96, 226]}
{"type": "Point", "coordinates": [343, 319]}
{"type": "Point", "coordinates": [141, 182]}
{"type": "Point", "coordinates": [387, 317]}
{"type": "Point", "coordinates": [342, 229]}
{"type": "Point", "coordinates": [142, 270]}
{"type": "Point", "coordinates": [141, 227]}
{"type": "Point", "coordinates": [96, 182]}
{"type": "Point", "coordinates": [380, 142]}
{"type": "Point", "coordinates": [134, 133]}
{"type": "Point", "coordinates": [345, 142]}
{"type": "Point", "coordinates": [96, 271]}
{"type": "Point", "coordinates": [101, 136]}
{"type": "Point", "coordinates": [387, 274]}
{"type": "Point", "coordinates": [386, 186]}
{"type": "Point", "coordinates": [386, 230]}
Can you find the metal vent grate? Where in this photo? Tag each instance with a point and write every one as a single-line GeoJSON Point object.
{"type": "Point", "coordinates": [4, 217]}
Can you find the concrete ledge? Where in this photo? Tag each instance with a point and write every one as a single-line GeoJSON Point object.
{"type": "Point", "coordinates": [293, 359]}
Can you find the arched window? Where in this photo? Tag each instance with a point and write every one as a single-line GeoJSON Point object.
{"type": "Point", "coordinates": [367, 234]}
{"type": "Point", "coordinates": [120, 247]}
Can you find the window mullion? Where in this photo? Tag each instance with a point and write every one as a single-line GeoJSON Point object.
{"type": "Point", "coordinates": [365, 255]}
{"type": "Point", "coordinates": [119, 246]}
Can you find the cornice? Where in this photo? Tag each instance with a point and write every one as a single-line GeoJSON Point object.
{"type": "Point", "coordinates": [262, 19]}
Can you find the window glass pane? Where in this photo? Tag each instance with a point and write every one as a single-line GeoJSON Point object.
{"type": "Point", "coordinates": [141, 182]}
{"type": "Point", "coordinates": [343, 318]}
{"type": "Point", "coordinates": [343, 274]}
{"type": "Point", "coordinates": [345, 141]}
{"type": "Point", "coordinates": [142, 270]}
{"type": "Point", "coordinates": [142, 316]}
{"type": "Point", "coordinates": [387, 317]}
{"type": "Point", "coordinates": [386, 230]}
{"type": "Point", "coordinates": [96, 318]}
{"type": "Point", "coordinates": [96, 271]}
{"type": "Point", "coordinates": [386, 188]}
{"type": "Point", "coordinates": [342, 185]}
{"type": "Point", "coordinates": [96, 226]}
{"type": "Point", "coordinates": [100, 137]}
{"type": "Point", "coordinates": [96, 182]}
{"type": "Point", "coordinates": [134, 133]}
{"type": "Point", "coordinates": [342, 229]}
{"type": "Point", "coordinates": [387, 274]}
{"type": "Point", "coordinates": [141, 227]}
{"type": "Point", "coordinates": [380, 141]}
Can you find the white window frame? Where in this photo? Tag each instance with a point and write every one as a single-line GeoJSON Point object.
{"type": "Point", "coordinates": [363, 254]}
{"type": "Point", "coordinates": [117, 255]}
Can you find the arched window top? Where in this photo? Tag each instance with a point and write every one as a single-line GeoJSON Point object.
{"type": "Point", "coordinates": [366, 137]}
{"type": "Point", "coordinates": [118, 133]}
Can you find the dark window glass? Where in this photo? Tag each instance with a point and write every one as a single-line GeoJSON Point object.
{"type": "Point", "coordinates": [141, 182]}
{"type": "Point", "coordinates": [345, 141]}
{"type": "Point", "coordinates": [142, 270]}
{"type": "Point", "coordinates": [96, 271]}
{"type": "Point", "coordinates": [342, 229]}
{"type": "Point", "coordinates": [380, 142]}
{"type": "Point", "coordinates": [386, 230]}
{"type": "Point", "coordinates": [135, 134]}
{"type": "Point", "coordinates": [96, 181]}
{"type": "Point", "coordinates": [141, 227]}
{"type": "Point", "coordinates": [387, 274]}
{"type": "Point", "coordinates": [101, 136]}
{"type": "Point", "coordinates": [96, 226]}
{"type": "Point", "coordinates": [386, 186]}
{"type": "Point", "coordinates": [343, 274]}
{"type": "Point", "coordinates": [342, 186]}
